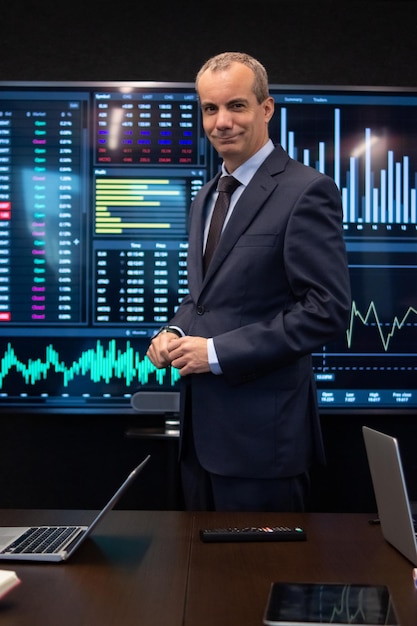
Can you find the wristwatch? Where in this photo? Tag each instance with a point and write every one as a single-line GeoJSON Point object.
{"type": "Point", "coordinates": [169, 329]}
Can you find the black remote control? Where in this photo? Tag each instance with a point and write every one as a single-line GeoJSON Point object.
{"type": "Point", "coordinates": [262, 533]}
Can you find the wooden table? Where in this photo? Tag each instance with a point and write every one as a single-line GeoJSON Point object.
{"type": "Point", "coordinates": [151, 568]}
{"type": "Point", "coordinates": [134, 571]}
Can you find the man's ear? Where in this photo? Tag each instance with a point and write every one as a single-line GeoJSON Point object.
{"type": "Point", "coordinates": [269, 108]}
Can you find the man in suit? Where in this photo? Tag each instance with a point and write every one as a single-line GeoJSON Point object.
{"type": "Point", "coordinates": [276, 289]}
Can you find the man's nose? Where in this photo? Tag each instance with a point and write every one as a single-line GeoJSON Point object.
{"type": "Point", "coordinates": [224, 118]}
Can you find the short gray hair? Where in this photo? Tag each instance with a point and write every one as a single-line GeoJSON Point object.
{"type": "Point", "coordinates": [225, 59]}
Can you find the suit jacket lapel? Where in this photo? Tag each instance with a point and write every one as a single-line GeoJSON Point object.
{"type": "Point", "coordinates": [246, 209]}
{"type": "Point", "coordinates": [249, 204]}
{"type": "Point", "coordinates": [196, 234]}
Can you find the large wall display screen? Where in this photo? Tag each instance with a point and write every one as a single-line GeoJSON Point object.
{"type": "Point", "coordinates": [95, 184]}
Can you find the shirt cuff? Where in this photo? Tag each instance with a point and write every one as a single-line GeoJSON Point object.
{"type": "Point", "coordinates": [212, 358]}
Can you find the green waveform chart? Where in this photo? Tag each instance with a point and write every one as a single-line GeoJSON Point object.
{"type": "Point", "coordinates": [101, 364]}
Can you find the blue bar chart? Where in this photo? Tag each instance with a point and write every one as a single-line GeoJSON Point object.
{"type": "Point", "coordinates": [377, 181]}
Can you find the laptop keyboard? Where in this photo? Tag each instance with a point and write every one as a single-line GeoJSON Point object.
{"type": "Point", "coordinates": [42, 540]}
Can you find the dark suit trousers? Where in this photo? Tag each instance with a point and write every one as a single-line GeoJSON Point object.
{"type": "Point", "coordinates": [204, 491]}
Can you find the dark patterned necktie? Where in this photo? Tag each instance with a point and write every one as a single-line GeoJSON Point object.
{"type": "Point", "coordinates": [226, 186]}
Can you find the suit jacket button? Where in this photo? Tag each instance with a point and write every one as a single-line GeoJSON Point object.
{"type": "Point", "coordinates": [200, 310]}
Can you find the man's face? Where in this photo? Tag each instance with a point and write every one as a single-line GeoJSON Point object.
{"type": "Point", "coordinates": [234, 122]}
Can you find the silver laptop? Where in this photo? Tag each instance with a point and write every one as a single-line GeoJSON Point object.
{"type": "Point", "coordinates": [391, 493]}
{"type": "Point", "coordinates": [54, 543]}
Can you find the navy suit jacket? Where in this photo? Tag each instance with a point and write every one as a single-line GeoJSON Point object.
{"type": "Point", "coordinates": [277, 289]}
